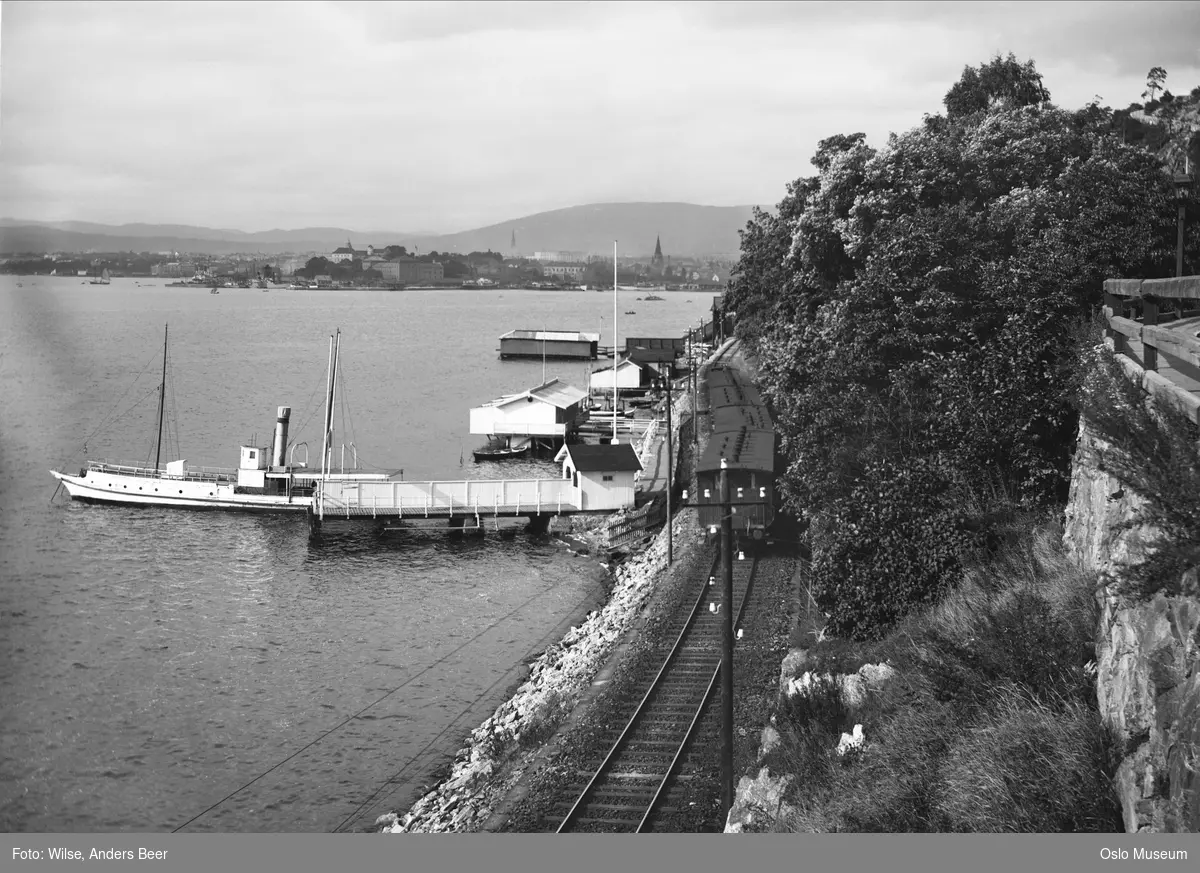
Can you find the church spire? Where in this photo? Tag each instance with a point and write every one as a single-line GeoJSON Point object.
{"type": "Point", "coordinates": [514, 239]}
{"type": "Point", "coordinates": [658, 255]}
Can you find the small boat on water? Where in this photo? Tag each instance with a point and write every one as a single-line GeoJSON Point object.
{"type": "Point", "coordinates": [267, 479]}
{"type": "Point", "coordinates": [214, 291]}
{"type": "Point", "coordinates": [499, 450]}
{"type": "Point", "coordinates": [652, 297]}
{"type": "Point", "coordinates": [103, 278]}
{"type": "Point", "coordinates": [630, 312]}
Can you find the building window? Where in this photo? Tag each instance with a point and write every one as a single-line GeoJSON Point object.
{"type": "Point", "coordinates": [252, 456]}
{"type": "Point", "coordinates": [606, 478]}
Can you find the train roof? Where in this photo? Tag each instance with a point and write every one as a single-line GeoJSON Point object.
{"type": "Point", "coordinates": [734, 395]}
{"type": "Point", "coordinates": [753, 416]}
{"type": "Point", "coordinates": [743, 449]}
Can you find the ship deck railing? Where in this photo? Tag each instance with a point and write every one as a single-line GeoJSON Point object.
{"type": "Point", "coordinates": [191, 474]}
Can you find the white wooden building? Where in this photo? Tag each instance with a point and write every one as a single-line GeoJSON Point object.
{"type": "Point", "coordinates": [631, 376]}
{"type": "Point", "coordinates": [602, 477]}
{"type": "Point", "coordinates": [552, 409]}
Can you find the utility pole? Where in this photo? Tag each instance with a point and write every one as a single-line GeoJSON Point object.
{"type": "Point", "coordinates": [670, 470]}
{"type": "Point", "coordinates": [1183, 181]}
{"type": "Point", "coordinates": [726, 644]}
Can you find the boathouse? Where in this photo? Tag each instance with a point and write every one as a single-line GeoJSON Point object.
{"type": "Point", "coordinates": [552, 410]}
{"type": "Point", "coordinates": [632, 377]}
{"type": "Point", "coordinates": [550, 344]}
{"type": "Point", "coordinates": [602, 477]}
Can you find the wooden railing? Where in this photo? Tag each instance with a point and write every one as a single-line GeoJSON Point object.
{"type": "Point", "coordinates": [1159, 345]}
{"type": "Point", "coordinates": [462, 497]}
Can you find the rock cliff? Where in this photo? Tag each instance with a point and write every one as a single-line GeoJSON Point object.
{"type": "Point", "coordinates": [1147, 654]}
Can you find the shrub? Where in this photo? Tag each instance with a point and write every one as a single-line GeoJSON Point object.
{"type": "Point", "coordinates": [892, 545]}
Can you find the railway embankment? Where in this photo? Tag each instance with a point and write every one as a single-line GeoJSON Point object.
{"type": "Point", "coordinates": [501, 755]}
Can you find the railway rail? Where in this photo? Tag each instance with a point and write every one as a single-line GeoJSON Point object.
{"type": "Point", "coordinates": [624, 791]}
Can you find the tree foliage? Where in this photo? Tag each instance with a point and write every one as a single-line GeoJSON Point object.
{"type": "Point", "coordinates": [911, 308]}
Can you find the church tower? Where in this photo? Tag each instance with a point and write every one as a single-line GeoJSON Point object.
{"type": "Point", "coordinates": [656, 263]}
{"type": "Point", "coordinates": [513, 246]}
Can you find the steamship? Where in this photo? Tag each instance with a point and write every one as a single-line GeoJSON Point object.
{"type": "Point", "coordinates": [263, 481]}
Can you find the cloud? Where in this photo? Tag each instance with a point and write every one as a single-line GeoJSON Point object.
{"type": "Point", "coordinates": [449, 115]}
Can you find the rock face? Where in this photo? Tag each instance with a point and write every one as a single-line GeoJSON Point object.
{"type": "Point", "coordinates": [1147, 656]}
{"type": "Point", "coordinates": [758, 802]}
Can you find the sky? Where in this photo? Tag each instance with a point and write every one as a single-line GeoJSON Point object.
{"type": "Point", "coordinates": [440, 117]}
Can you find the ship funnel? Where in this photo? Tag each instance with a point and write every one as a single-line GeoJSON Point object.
{"type": "Point", "coordinates": [281, 435]}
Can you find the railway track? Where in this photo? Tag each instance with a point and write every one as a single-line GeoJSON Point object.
{"type": "Point", "coordinates": [623, 792]}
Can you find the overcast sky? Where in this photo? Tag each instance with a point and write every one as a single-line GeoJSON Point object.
{"type": "Point", "coordinates": [447, 116]}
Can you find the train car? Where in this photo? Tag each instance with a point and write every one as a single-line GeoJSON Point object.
{"type": "Point", "coordinates": [750, 465]}
{"type": "Point", "coordinates": [725, 418]}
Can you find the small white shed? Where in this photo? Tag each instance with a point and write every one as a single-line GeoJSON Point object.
{"type": "Point", "coordinates": [602, 476]}
{"type": "Point", "coordinates": [631, 376]}
{"type": "Point", "coordinates": [552, 409]}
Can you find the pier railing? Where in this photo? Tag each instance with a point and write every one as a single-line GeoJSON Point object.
{"type": "Point", "coordinates": [1159, 346]}
{"type": "Point", "coordinates": [441, 499]}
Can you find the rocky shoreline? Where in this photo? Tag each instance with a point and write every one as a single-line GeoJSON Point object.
{"type": "Point", "coordinates": [500, 751]}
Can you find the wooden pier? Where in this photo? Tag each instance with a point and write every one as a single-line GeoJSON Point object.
{"type": "Point", "coordinates": [463, 499]}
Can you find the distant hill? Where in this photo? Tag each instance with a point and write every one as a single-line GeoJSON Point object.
{"type": "Point", "coordinates": [685, 228]}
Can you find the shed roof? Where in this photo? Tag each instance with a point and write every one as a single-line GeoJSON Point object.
{"type": "Point", "coordinates": [652, 356]}
{"type": "Point", "coordinates": [587, 458]}
{"type": "Point", "coordinates": [625, 362]}
{"type": "Point", "coordinates": [553, 335]}
{"type": "Point", "coordinates": [554, 392]}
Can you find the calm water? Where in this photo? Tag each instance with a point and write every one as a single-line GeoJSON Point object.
{"type": "Point", "coordinates": [152, 661]}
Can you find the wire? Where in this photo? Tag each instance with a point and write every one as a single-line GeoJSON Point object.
{"type": "Point", "coordinates": [351, 718]}
{"type": "Point", "coordinates": [540, 644]}
{"type": "Point", "coordinates": [110, 417]}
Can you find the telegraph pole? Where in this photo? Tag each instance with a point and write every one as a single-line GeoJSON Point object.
{"type": "Point", "coordinates": [670, 466]}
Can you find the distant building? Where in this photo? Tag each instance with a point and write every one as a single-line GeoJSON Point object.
{"type": "Point", "coordinates": [408, 271]}
{"type": "Point", "coordinates": [573, 272]}
{"type": "Point", "coordinates": [558, 257]}
{"type": "Point", "coordinates": [485, 265]}
{"type": "Point", "coordinates": [343, 253]}
{"type": "Point", "coordinates": [656, 263]}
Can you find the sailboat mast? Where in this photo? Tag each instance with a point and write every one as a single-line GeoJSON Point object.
{"type": "Point", "coordinates": [337, 347]}
{"type": "Point", "coordinates": [162, 397]}
{"type": "Point", "coordinates": [616, 358]}
{"type": "Point", "coordinates": [328, 391]}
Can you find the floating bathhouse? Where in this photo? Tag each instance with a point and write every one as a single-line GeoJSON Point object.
{"type": "Point", "coordinates": [546, 414]}
{"type": "Point", "coordinates": [551, 344]}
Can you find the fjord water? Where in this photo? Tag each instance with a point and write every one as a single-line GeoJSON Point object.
{"type": "Point", "coordinates": [154, 661]}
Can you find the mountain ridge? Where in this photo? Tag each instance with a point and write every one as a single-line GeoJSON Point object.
{"type": "Point", "coordinates": [686, 229]}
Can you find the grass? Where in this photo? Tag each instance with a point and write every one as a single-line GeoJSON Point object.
{"type": "Point", "coordinates": [990, 723]}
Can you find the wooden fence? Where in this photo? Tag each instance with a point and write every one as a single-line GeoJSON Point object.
{"type": "Point", "coordinates": [1154, 329]}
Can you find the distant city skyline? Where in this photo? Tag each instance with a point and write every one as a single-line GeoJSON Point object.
{"type": "Point", "coordinates": [442, 117]}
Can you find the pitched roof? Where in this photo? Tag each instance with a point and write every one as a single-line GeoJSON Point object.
{"type": "Point", "coordinates": [554, 392]}
{"type": "Point", "coordinates": [625, 362]}
{"type": "Point", "coordinates": [588, 458]}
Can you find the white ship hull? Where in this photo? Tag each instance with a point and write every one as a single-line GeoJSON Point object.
{"type": "Point", "coordinates": [101, 487]}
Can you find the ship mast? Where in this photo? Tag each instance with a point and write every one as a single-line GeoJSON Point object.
{"type": "Point", "coordinates": [331, 382]}
{"type": "Point", "coordinates": [162, 396]}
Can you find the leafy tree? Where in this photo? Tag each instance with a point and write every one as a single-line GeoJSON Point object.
{"type": "Point", "coordinates": [1154, 82]}
{"type": "Point", "coordinates": [391, 252]}
{"type": "Point", "coordinates": [911, 309]}
{"type": "Point", "coordinates": [1002, 82]}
